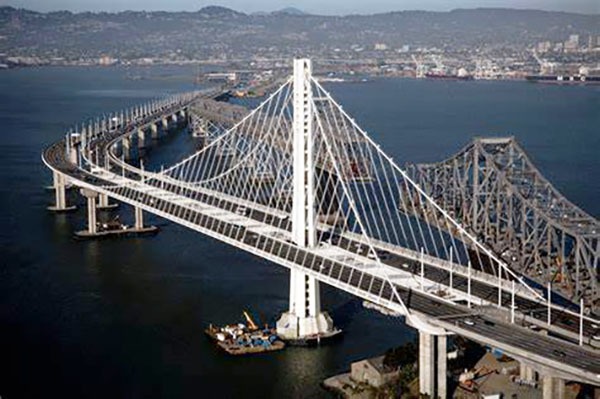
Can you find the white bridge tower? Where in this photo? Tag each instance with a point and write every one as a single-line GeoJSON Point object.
{"type": "Point", "coordinates": [304, 318]}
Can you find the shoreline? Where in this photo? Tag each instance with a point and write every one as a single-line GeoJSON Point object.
{"type": "Point", "coordinates": [338, 79]}
{"type": "Point", "coordinates": [364, 77]}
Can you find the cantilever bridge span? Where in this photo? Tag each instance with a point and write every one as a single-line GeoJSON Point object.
{"type": "Point", "coordinates": [298, 182]}
{"type": "Point", "coordinates": [495, 190]}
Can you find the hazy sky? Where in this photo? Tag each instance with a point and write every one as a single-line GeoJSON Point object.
{"type": "Point", "coordinates": [312, 6]}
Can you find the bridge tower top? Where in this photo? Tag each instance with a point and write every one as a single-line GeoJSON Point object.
{"type": "Point", "coordinates": [303, 205]}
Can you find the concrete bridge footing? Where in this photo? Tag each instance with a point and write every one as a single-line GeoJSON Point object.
{"type": "Point", "coordinates": [304, 318]}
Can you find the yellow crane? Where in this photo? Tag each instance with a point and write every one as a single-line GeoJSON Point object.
{"type": "Point", "coordinates": [251, 323]}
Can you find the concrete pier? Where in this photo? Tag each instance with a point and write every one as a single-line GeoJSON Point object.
{"type": "Point", "coordinates": [126, 143]}
{"type": "Point", "coordinates": [141, 138]}
{"type": "Point", "coordinates": [60, 195]}
{"type": "Point", "coordinates": [165, 123]}
{"type": "Point", "coordinates": [93, 231]}
{"type": "Point", "coordinates": [73, 151]}
{"type": "Point", "coordinates": [527, 373]}
{"type": "Point", "coordinates": [104, 204]}
{"type": "Point", "coordinates": [426, 364]}
{"type": "Point", "coordinates": [139, 218]}
{"type": "Point", "coordinates": [92, 224]}
{"type": "Point", "coordinates": [433, 367]}
{"type": "Point", "coordinates": [154, 131]}
{"type": "Point", "coordinates": [553, 388]}
{"type": "Point", "coordinates": [304, 318]}
{"type": "Point", "coordinates": [442, 367]}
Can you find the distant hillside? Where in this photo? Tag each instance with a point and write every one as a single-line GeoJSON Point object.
{"type": "Point", "coordinates": [220, 32]}
{"type": "Point", "coordinates": [290, 11]}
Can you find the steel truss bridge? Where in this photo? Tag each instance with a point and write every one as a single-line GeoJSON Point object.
{"type": "Point", "coordinates": [298, 182]}
{"type": "Point", "coordinates": [501, 198]}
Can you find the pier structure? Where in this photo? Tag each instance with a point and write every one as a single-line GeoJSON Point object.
{"type": "Point", "coordinates": [126, 147]}
{"type": "Point", "coordinates": [92, 224]}
{"type": "Point", "coordinates": [93, 231]}
{"type": "Point", "coordinates": [141, 139]}
{"type": "Point", "coordinates": [433, 369]}
{"type": "Point", "coordinates": [338, 210]}
{"type": "Point", "coordinates": [60, 191]}
{"type": "Point", "coordinates": [154, 131]}
{"type": "Point", "coordinates": [104, 203]}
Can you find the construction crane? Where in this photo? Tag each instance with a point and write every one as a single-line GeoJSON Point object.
{"type": "Point", "coordinates": [545, 66]}
{"type": "Point", "coordinates": [420, 68]}
{"type": "Point", "coordinates": [251, 324]}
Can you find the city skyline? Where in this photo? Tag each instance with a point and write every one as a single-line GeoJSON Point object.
{"type": "Point", "coordinates": [334, 7]}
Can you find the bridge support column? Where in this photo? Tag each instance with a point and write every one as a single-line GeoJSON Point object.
{"type": "Point", "coordinates": [433, 365]}
{"type": "Point", "coordinates": [60, 194]}
{"type": "Point", "coordinates": [426, 363]}
{"type": "Point", "coordinates": [553, 388]}
{"type": "Point", "coordinates": [442, 367]}
{"type": "Point", "coordinates": [304, 320]}
{"type": "Point", "coordinates": [91, 210]}
{"type": "Point", "coordinates": [139, 218]}
{"type": "Point", "coordinates": [154, 130]}
{"type": "Point", "coordinates": [141, 138]}
{"type": "Point", "coordinates": [126, 143]}
{"type": "Point", "coordinates": [73, 151]}
{"type": "Point", "coordinates": [527, 372]}
{"type": "Point", "coordinates": [165, 123]}
{"type": "Point", "coordinates": [104, 204]}
{"type": "Point", "coordinates": [174, 118]}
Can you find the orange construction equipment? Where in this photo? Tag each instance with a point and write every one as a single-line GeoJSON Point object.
{"type": "Point", "coordinates": [251, 323]}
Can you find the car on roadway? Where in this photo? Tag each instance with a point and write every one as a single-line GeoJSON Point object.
{"type": "Point", "coordinates": [559, 353]}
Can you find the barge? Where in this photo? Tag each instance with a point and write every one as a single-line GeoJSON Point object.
{"type": "Point", "coordinates": [242, 339]}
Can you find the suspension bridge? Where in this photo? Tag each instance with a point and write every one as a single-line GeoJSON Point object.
{"type": "Point", "coordinates": [296, 181]}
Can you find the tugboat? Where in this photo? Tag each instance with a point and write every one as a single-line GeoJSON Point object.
{"type": "Point", "coordinates": [242, 339]}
